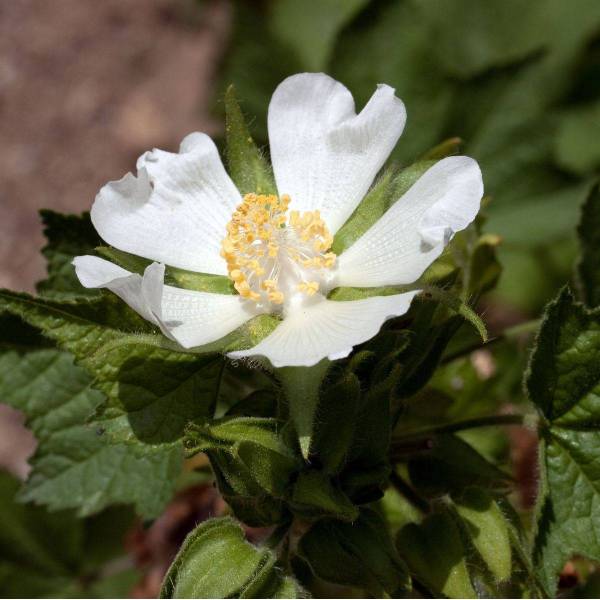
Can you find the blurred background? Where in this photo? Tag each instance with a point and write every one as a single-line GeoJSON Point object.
{"type": "Point", "coordinates": [86, 86]}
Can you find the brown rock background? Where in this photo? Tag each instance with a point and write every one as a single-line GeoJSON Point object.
{"type": "Point", "coordinates": [85, 87]}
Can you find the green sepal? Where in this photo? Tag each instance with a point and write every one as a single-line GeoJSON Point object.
{"type": "Point", "coordinates": [248, 168]}
{"type": "Point", "coordinates": [359, 554]}
{"type": "Point", "coordinates": [302, 387]}
{"type": "Point", "coordinates": [316, 495]}
{"type": "Point", "coordinates": [384, 193]}
{"type": "Point", "coordinates": [215, 561]}
{"type": "Point", "coordinates": [335, 423]}
{"type": "Point", "coordinates": [190, 280]}
{"type": "Point", "coordinates": [259, 445]}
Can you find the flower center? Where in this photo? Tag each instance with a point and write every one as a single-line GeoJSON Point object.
{"type": "Point", "coordinates": [272, 257]}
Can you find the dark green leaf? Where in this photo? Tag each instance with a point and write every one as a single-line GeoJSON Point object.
{"type": "Point", "coordinates": [435, 553]}
{"type": "Point", "coordinates": [74, 466]}
{"type": "Point", "coordinates": [216, 561]}
{"type": "Point", "coordinates": [450, 464]}
{"type": "Point", "coordinates": [589, 238]}
{"type": "Point", "coordinates": [564, 383]}
{"type": "Point", "coordinates": [359, 554]}
{"type": "Point", "coordinates": [55, 554]}
{"type": "Point", "coordinates": [68, 236]}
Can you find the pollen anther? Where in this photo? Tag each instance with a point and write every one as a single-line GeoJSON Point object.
{"type": "Point", "coordinates": [265, 249]}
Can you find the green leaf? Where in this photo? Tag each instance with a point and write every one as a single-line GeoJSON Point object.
{"type": "Point", "coordinates": [488, 529]}
{"type": "Point", "coordinates": [153, 387]}
{"type": "Point", "coordinates": [450, 464]}
{"type": "Point", "coordinates": [436, 555]}
{"type": "Point", "coordinates": [577, 147]}
{"type": "Point", "coordinates": [588, 269]}
{"type": "Point", "coordinates": [33, 564]}
{"type": "Point", "coordinates": [248, 168]}
{"type": "Point", "coordinates": [191, 280]}
{"type": "Point", "coordinates": [216, 561]}
{"type": "Point", "coordinates": [310, 27]}
{"type": "Point", "coordinates": [564, 383]}
{"type": "Point", "coordinates": [301, 386]}
{"type": "Point", "coordinates": [359, 554]}
{"type": "Point", "coordinates": [68, 236]}
{"type": "Point", "coordinates": [74, 466]}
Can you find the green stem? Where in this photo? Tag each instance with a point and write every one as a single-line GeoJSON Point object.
{"type": "Point", "coordinates": [508, 334]}
{"type": "Point", "coordinates": [461, 426]}
{"type": "Point", "coordinates": [405, 490]}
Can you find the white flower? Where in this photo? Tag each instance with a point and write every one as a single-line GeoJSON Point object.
{"type": "Point", "coordinates": [183, 210]}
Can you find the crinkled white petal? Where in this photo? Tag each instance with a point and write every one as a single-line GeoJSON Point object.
{"type": "Point", "coordinates": [324, 155]}
{"type": "Point", "coordinates": [413, 232]}
{"type": "Point", "coordinates": [197, 318]}
{"type": "Point", "coordinates": [175, 210]}
{"type": "Point", "coordinates": [189, 317]}
{"type": "Point", "coordinates": [327, 328]}
{"type": "Point", "coordinates": [143, 294]}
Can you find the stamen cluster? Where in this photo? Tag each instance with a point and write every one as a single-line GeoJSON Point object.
{"type": "Point", "coordinates": [268, 256]}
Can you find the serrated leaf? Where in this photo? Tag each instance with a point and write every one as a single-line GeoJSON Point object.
{"type": "Point", "coordinates": [588, 269]}
{"type": "Point", "coordinates": [216, 561]}
{"type": "Point", "coordinates": [74, 466]}
{"type": "Point", "coordinates": [248, 168]}
{"type": "Point", "coordinates": [68, 236]}
{"type": "Point", "coordinates": [153, 387]}
{"type": "Point", "coordinates": [359, 554]}
{"type": "Point", "coordinates": [564, 383]}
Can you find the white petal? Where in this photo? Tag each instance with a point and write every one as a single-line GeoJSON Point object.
{"type": "Point", "coordinates": [142, 296]}
{"type": "Point", "coordinates": [327, 329]}
{"type": "Point", "coordinates": [189, 317]}
{"type": "Point", "coordinates": [324, 155]}
{"type": "Point", "coordinates": [197, 318]}
{"type": "Point", "coordinates": [176, 209]}
{"type": "Point", "coordinates": [413, 232]}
